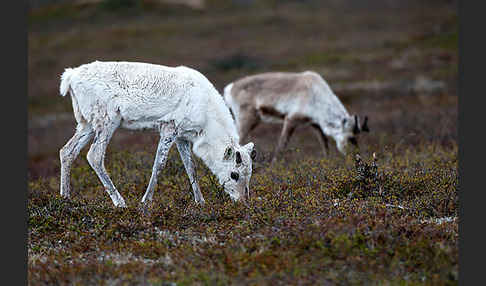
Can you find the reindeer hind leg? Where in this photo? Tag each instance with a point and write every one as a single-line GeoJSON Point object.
{"type": "Point", "coordinates": [96, 156]}
{"type": "Point", "coordinates": [70, 152]}
{"type": "Point", "coordinates": [288, 129]}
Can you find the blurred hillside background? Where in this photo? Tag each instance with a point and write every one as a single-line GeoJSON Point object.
{"type": "Point", "coordinates": [395, 61]}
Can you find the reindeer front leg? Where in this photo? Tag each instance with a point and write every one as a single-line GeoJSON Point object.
{"type": "Point", "coordinates": [321, 137]}
{"type": "Point", "coordinates": [168, 135]}
{"type": "Point", "coordinates": [247, 121]}
{"type": "Point", "coordinates": [185, 151]}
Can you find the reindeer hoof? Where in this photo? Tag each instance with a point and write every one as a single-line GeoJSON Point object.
{"type": "Point", "coordinates": [66, 196]}
{"type": "Point", "coordinates": [121, 204]}
{"type": "Point", "coordinates": [65, 193]}
{"type": "Point", "coordinates": [144, 208]}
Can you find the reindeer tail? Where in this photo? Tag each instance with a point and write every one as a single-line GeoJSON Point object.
{"type": "Point", "coordinates": [66, 81]}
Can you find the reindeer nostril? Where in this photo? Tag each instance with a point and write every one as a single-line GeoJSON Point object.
{"type": "Point", "coordinates": [234, 176]}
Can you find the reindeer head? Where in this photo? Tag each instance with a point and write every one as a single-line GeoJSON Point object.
{"type": "Point", "coordinates": [236, 174]}
{"type": "Point", "coordinates": [350, 129]}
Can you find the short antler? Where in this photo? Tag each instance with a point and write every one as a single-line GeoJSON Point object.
{"type": "Point", "coordinates": [356, 129]}
{"type": "Point", "coordinates": [364, 127]}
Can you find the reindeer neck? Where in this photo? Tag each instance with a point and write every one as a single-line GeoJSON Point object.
{"type": "Point", "coordinates": [213, 141]}
{"type": "Point", "coordinates": [331, 123]}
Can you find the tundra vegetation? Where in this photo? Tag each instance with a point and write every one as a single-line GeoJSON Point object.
{"type": "Point", "coordinates": [311, 218]}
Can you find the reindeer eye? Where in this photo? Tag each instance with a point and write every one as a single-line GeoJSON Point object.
{"type": "Point", "coordinates": [234, 176]}
{"type": "Point", "coordinates": [238, 158]}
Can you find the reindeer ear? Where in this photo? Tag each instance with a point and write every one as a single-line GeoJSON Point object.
{"type": "Point", "coordinates": [364, 127]}
{"type": "Point", "coordinates": [250, 147]}
{"type": "Point", "coordinates": [228, 153]}
{"type": "Point", "coordinates": [356, 129]}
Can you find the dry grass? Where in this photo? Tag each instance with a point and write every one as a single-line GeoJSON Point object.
{"type": "Point", "coordinates": [310, 220]}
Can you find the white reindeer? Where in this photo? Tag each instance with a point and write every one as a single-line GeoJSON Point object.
{"type": "Point", "coordinates": [294, 99]}
{"type": "Point", "coordinates": [178, 102]}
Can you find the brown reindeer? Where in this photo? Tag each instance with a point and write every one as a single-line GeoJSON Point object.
{"type": "Point", "coordinates": [292, 99]}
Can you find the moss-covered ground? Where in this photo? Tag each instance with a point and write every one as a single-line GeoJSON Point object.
{"type": "Point", "coordinates": [310, 220]}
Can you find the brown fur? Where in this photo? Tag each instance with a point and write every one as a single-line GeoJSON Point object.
{"type": "Point", "coordinates": [258, 96]}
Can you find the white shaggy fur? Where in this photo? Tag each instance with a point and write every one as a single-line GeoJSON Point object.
{"type": "Point", "coordinates": [178, 102]}
{"type": "Point", "coordinates": [291, 99]}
